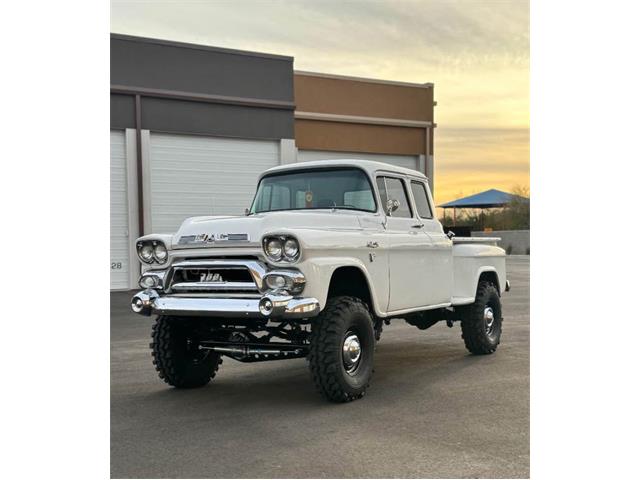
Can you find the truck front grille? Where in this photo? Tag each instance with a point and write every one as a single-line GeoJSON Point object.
{"type": "Point", "coordinates": [202, 276]}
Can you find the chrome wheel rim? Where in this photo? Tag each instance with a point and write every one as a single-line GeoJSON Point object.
{"type": "Point", "coordinates": [351, 352]}
{"type": "Point", "coordinates": [488, 319]}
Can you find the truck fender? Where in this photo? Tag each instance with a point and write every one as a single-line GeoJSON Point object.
{"type": "Point", "coordinates": [323, 270]}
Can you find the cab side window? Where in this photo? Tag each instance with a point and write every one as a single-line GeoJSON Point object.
{"type": "Point", "coordinates": [394, 189]}
{"type": "Point", "coordinates": [422, 201]}
{"type": "Point", "coordinates": [382, 188]}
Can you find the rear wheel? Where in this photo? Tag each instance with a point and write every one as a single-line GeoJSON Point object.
{"type": "Point", "coordinates": [482, 321]}
{"type": "Point", "coordinates": [177, 356]}
{"type": "Point", "coordinates": [341, 350]}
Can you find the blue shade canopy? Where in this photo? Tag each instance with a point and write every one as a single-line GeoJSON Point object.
{"type": "Point", "coordinates": [490, 198]}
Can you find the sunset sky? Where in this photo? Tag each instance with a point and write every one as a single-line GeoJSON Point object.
{"type": "Point", "coordinates": [475, 52]}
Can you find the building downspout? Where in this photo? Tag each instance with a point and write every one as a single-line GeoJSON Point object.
{"type": "Point", "coordinates": [138, 113]}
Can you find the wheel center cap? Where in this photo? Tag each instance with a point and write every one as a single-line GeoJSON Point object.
{"type": "Point", "coordinates": [351, 351]}
{"type": "Point", "coordinates": [488, 316]}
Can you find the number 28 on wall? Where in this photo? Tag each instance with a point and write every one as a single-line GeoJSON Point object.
{"type": "Point", "coordinates": [116, 265]}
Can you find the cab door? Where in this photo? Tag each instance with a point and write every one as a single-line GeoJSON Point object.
{"type": "Point", "coordinates": [440, 269]}
{"type": "Point", "coordinates": [409, 246]}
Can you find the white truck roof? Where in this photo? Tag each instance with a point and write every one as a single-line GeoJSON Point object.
{"type": "Point", "coordinates": [369, 166]}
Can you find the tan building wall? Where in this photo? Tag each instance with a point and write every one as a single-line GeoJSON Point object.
{"type": "Point", "coordinates": [358, 137]}
{"type": "Point", "coordinates": [336, 113]}
{"type": "Point", "coordinates": [345, 96]}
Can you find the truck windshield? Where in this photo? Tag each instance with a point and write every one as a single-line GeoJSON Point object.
{"type": "Point", "coordinates": [345, 188]}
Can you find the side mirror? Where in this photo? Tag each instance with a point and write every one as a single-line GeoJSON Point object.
{"type": "Point", "coordinates": [392, 206]}
{"type": "Point", "coordinates": [246, 212]}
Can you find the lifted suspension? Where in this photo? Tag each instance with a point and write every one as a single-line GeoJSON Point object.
{"type": "Point", "coordinates": [256, 343]}
{"type": "Point", "coordinates": [256, 352]}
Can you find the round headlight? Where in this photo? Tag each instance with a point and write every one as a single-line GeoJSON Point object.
{"type": "Point", "coordinates": [274, 249]}
{"type": "Point", "coordinates": [146, 253]}
{"type": "Point", "coordinates": [160, 252]}
{"type": "Point", "coordinates": [291, 249]}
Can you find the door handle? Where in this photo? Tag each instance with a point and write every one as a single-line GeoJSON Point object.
{"type": "Point", "coordinates": [372, 244]}
{"type": "Point", "coordinates": [419, 225]}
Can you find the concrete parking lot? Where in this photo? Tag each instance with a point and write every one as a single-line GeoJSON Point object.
{"type": "Point", "coordinates": [433, 410]}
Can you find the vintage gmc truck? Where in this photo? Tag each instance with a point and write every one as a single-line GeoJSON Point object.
{"type": "Point", "coordinates": [327, 253]}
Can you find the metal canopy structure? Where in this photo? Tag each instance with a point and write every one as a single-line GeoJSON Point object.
{"type": "Point", "coordinates": [489, 199]}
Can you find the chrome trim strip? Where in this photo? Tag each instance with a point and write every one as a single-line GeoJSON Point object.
{"type": "Point", "coordinates": [177, 248]}
{"type": "Point", "coordinates": [226, 263]}
{"type": "Point", "coordinates": [213, 286]}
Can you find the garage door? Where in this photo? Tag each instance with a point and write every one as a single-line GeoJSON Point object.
{"type": "Point", "coordinates": [194, 175]}
{"type": "Point", "coordinates": [406, 161]}
{"type": "Point", "coordinates": [119, 213]}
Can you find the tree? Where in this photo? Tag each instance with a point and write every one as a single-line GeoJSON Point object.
{"type": "Point", "coordinates": [517, 211]}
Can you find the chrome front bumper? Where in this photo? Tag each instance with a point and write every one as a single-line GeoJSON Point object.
{"type": "Point", "coordinates": [271, 305]}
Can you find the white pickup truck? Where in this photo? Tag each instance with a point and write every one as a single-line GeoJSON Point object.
{"type": "Point", "coordinates": [327, 253]}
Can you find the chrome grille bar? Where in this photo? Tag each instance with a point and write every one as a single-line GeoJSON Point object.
{"type": "Point", "coordinates": [213, 286]}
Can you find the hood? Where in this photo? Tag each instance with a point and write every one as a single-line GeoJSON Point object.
{"type": "Point", "coordinates": [249, 230]}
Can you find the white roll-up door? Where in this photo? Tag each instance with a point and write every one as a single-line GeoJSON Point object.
{"type": "Point", "coordinates": [119, 213]}
{"type": "Point", "coordinates": [406, 161]}
{"type": "Point", "coordinates": [193, 175]}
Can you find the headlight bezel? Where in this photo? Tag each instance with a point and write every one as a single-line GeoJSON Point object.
{"type": "Point", "coordinates": [282, 240]}
{"type": "Point", "coordinates": [154, 245]}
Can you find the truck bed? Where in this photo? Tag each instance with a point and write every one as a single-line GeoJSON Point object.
{"type": "Point", "coordinates": [473, 256]}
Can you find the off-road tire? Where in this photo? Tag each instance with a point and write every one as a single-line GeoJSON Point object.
{"type": "Point", "coordinates": [178, 363]}
{"type": "Point", "coordinates": [341, 315]}
{"type": "Point", "coordinates": [474, 326]}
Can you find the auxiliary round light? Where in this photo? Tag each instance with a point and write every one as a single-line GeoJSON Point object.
{"type": "Point", "coordinates": [160, 253]}
{"type": "Point", "coordinates": [276, 282]}
{"type": "Point", "coordinates": [291, 249]}
{"type": "Point", "coordinates": [146, 253]}
{"type": "Point", "coordinates": [148, 281]}
{"type": "Point", "coordinates": [274, 249]}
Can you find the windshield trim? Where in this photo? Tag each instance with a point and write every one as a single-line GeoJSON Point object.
{"type": "Point", "coordinates": [374, 192]}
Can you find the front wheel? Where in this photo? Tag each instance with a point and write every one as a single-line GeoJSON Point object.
{"type": "Point", "coordinates": [482, 321]}
{"type": "Point", "coordinates": [341, 350]}
{"type": "Point", "coordinates": [176, 354]}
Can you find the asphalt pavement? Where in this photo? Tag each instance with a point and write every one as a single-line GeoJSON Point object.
{"type": "Point", "coordinates": [432, 410]}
